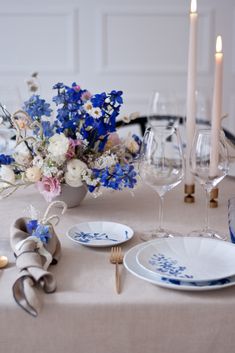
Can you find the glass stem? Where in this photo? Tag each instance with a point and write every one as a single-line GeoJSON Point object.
{"type": "Point", "coordinates": [160, 217]}
{"type": "Point", "coordinates": [206, 227]}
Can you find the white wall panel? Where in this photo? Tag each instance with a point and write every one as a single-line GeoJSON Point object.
{"type": "Point", "coordinates": [149, 42]}
{"type": "Point", "coordinates": [42, 41]}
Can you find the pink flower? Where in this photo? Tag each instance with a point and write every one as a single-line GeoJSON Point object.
{"type": "Point", "coordinates": [49, 188]}
{"type": "Point", "coordinates": [85, 96]}
{"type": "Point", "coordinates": [113, 140]}
{"type": "Point", "coordinates": [77, 88]}
{"type": "Point", "coordinates": [70, 154]}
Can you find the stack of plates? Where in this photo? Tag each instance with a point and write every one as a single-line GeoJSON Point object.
{"type": "Point", "coordinates": [184, 263]}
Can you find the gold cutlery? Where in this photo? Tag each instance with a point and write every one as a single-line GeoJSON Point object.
{"type": "Point", "coordinates": [3, 261]}
{"type": "Point", "coordinates": [116, 257]}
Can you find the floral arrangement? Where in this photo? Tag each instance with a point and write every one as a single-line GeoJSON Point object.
{"type": "Point", "coordinates": [74, 144]}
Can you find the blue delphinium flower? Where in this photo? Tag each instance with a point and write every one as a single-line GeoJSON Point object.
{"type": "Point", "coordinates": [58, 85]}
{"type": "Point", "coordinates": [37, 107]}
{"type": "Point", "coordinates": [98, 99]}
{"type": "Point", "coordinates": [72, 113]}
{"type": "Point", "coordinates": [116, 97]}
{"type": "Point", "coordinates": [48, 129]}
{"type": "Point", "coordinates": [116, 178]}
{"type": "Point", "coordinates": [6, 159]}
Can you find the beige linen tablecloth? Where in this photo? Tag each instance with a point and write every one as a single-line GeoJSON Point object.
{"type": "Point", "coordinates": [85, 314]}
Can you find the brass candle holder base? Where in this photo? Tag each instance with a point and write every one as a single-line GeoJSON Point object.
{"type": "Point", "coordinates": [213, 198]}
{"type": "Point", "coordinates": [189, 190]}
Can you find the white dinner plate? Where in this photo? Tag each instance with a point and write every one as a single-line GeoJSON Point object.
{"type": "Point", "coordinates": [231, 171]}
{"type": "Point", "coordinates": [100, 234]}
{"type": "Point", "coordinates": [189, 259]}
{"type": "Point", "coordinates": [133, 267]}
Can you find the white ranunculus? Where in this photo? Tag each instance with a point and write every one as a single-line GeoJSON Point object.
{"type": "Point", "coordinates": [33, 174]}
{"type": "Point", "coordinates": [73, 181]}
{"type": "Point", "coordinates": [73, 176]}
{"type": "Point", "coordinates": [6, 173]}
{"type": "Point", "coordinates": [58, 146]}
{"type": "Point", "coordinates": [22, 154]}
{"type": "Point", "coordinates": [75, 167]}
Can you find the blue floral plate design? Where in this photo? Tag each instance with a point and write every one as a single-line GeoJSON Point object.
{"type": "Point", "coordinates": [134, 268]}
{"type": "Point", "coordinates": [189, 259]}
{"type": "Point", "coordinates": [100, 234]}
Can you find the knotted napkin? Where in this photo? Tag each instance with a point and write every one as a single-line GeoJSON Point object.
{"type": "Point", "coordinates": [33, 257]}
{"type": "Point", "coordinates": [231, 218]}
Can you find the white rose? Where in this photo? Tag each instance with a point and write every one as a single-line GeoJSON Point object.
{"type": "Point", "coordinates": [73, 176]}
{"type": "Point", "coordinates": [6, 173]}
{"type": "Point", "coordinates": [22, 155]}
{"type": "Point", "coordinates": [58, 146]}
{"type": "Point", "coordinates": [33, 174]}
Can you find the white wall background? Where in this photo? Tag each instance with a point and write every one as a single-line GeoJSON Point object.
{"type": "Point", "coordinates": [134, 45]}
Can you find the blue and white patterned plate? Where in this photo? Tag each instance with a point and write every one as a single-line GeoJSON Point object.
{"type": "Point", "coordinates": [100, 234]}
{"type": "Point", "coordinates": [189, 259]}
{"type": "Point", "coordinates": [133, 267]}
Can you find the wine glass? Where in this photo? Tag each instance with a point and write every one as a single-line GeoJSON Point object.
{"type": "Point", "coordinates": [163, 109]}
{"type": "Point", "coordinates": [209, 168]}
{"type": "Point", "coordinates": [161, 167]}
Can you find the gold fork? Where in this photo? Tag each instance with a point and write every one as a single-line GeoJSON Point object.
{"type": "Point", "coordinates": [116, 257]}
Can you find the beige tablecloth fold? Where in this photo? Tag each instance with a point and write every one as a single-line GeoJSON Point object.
{"type": "Point", "coordinates": [32, 259]}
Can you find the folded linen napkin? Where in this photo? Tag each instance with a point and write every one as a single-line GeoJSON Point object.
{"type": "Point", "coordinates": [231, 218]}
{"type": "Point", "coordinates": [33, 257]}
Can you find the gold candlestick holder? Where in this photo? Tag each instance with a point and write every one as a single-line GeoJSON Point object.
{"type": "Point", "coordinates": [214, 198]}
{"type": "Point", "coordinates": [189, 190]}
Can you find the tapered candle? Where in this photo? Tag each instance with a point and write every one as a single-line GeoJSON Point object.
{"type": "Point", "coordinates": [191, 88]}
{"type": "Point", "coordinates": [216, 108]}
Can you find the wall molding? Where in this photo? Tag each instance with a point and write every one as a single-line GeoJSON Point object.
{"type": "Point", "coordinates": [72, 61]}
{"type": "Point", "coordinates": [103, 67]}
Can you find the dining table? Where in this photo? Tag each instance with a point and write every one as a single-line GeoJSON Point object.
{"type": "Point", "coordinates": [85, 314]}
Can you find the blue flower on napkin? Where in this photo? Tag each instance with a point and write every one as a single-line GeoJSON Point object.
{"type": "Point", "coordinates": [38, 230]}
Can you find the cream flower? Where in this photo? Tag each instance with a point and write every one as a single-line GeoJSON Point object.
{"type": "Point", "coordinates": [132, 145]}
{"type": "Point", "coordinates": [22, 155]}
{"type": "Point", "coordinates": [6, 173]}
{"type": "Point", "coordinates": [58, 146]}
{"type": "Point", "coordinates": [33, 174]}
{"type": "Point", "coordinates": [73, 176]}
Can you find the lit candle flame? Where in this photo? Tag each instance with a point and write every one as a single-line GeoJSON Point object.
{"type": "Point", "coordinates": [219, 44]}
{"type": "Point", "coordinates": [193, 6]}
